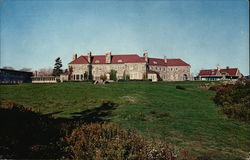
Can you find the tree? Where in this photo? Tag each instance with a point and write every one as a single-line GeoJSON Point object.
{"type": "Point", "coordinates": [112, 74]}
{"type": "Point", "coordinates": [26, 69]}
{"type": "Point", "coordinates": [70, 72]}
{"type": "Point", "coordinates": [57, 67]}
{"type": "Point", "coordinates": [43, 72]}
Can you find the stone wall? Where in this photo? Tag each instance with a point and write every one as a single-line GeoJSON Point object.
{"type": "Point", "coordinates": [134, 70]}
{"type": "Point", "coordinates": [172, 73]}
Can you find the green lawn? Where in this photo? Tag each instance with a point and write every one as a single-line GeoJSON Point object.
{"type": "Point", "coordinates": [187, 118]}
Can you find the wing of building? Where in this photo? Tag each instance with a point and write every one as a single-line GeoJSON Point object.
{"type": "Point", "coordinates": [130, 66]}
{"type": "Point", "coordinates": [8, 76]}
{"type": "Point", "coordinates": [219, 74]}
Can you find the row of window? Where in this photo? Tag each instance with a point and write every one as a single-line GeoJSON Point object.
{"type": "Point", "coordinates": [163, 69]}
{"type": "Point", "coordinates": [98, 61]}
{"type": "Point", "coordinates": [43, 78]}
{"type": "Point", "coordinates": [11, 81]}
{"type": "Point", "coordinates": [78, 77]}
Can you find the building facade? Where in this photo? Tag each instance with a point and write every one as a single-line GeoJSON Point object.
{"type": "Point", "coordinates": [130, 66]}
{"type": "Point", "coordinates": [8, 76]}
{"type": "Point", "coordinates": [219, 74]}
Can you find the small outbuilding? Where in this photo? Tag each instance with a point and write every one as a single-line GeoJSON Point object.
{"type": "Point", "coordinates": [219, 74]}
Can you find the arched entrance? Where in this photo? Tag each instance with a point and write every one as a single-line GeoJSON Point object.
{"type": "Point", "coordinates": [185, 77]}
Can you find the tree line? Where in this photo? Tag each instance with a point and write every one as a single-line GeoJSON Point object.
{"type": "Point", "coordinates": [56, 71]}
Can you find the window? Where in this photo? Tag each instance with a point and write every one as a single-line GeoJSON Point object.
{"type": "Point", "coordinates": [97, 61]}
{"type": "Point", "coordinates": [119, 60]}
{"type": "Point", "coordinates": [154, 62]}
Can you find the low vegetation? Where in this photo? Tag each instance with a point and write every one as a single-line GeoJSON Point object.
{"type": "Point", "coordinates": [188, 119]}
{"type": "Point", "coordinates": [234, 100]}
{"type": "Point", "coordinates": [33, 135]}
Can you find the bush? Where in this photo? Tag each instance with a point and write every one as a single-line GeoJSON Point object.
{"type": "Point", "coordinates": [23, 130]}
{"type": "Point", "coordinates": [106, 141]}
{"type": "Point", "coordinates": [113, 75]}
{"type": "Point", "coordinates": [234, 100]}
{"type": "Point", "coordinates": [103, 77]}
{"type": "Point", "coordinates": [180, 87]}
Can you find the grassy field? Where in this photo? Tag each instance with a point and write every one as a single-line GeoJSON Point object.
{"type": "Point", "coordinates": [188, 118]}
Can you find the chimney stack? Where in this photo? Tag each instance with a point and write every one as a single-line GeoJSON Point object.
{"type": "Point", "coordinates": [218, 67]}
{"type": "Point", "coordinates": [145, 55]}
{"type": "Point", "coordinates": [89, 57]}
{"type": "Point", "coordinates": [165, 59]}
{"type": "Point", "coordinates": [74, 56]}
{"type": "Point", "coordinates": [108, 57]}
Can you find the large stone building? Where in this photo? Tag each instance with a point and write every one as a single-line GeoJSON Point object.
{"type": "Point", "coordinates": [130, 66]}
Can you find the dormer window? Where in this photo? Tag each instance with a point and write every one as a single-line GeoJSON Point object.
{"type": "Point", "coordinates": [97, 61]}
{"type": "Point", "coordinates": [154, 62]}
{"type": "Point", "coordinates": [119, 60]}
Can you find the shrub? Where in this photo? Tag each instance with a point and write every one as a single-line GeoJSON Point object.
{"type": "Point", "coordinates": [113, 75]}
{"type": "Point", "coordinates": [23, 130]}
{"type": "Point", "coordinates": [234, 100]}
{"type": "Point", "coordinates": [107, 141]}
{"type": "Point", "coordinates": [180, 87]}
{"type": "Point", "coordinates": [103, 77]}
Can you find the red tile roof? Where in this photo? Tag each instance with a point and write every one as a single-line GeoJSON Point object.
{"type": "Point", "coordinates": [129, 58]}
{"type": "Point", "coordinates": [170, 62]}
{"type": "Point", "coordinates": [115, 59]}
{"type": "Point", "coordinates": [210, 72]}
{"type": "Point", "coordinates": [80, 60]}
{"type": "Point", "coordinates": [151, 71]}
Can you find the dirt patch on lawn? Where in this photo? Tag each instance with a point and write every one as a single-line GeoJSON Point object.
{"type": "Point", "coordinates": [129, 99]}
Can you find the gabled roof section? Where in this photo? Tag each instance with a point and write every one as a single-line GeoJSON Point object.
{"type": "Point", "coordinates": [80, 60]}
{"type": "Point", "coordinates": [129, 58]}
{"type": "Point", "coordinates": [170, 62]}
{"type": "Point", "coordinates": [213, 72]}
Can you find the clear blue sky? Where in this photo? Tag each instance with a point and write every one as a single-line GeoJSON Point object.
{"type": "Point", "coordinates": [204, 33]}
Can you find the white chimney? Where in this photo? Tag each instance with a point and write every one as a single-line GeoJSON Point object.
{"type": "Point", "coordinates": [108, 57]}
{"type": "Point", "coordinates": [145, 55]}
{"type": "Point", "coordinates": [218, 67]}
{"type": "Point", "coordinates": [165, 59]}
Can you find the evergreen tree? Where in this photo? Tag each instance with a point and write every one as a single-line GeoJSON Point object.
{"type": "Point", "coordinates": [57, 67]}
